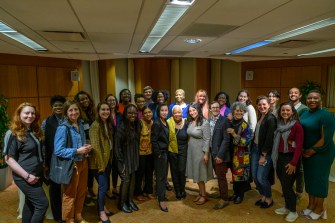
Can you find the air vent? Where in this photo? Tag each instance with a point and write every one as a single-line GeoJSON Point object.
{"type": "Point", "coordinates": [63, 36]}
{"type": "Point", "coordinates": [292, 43]}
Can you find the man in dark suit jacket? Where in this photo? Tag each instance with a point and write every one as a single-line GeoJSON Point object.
{"type": "Point", "coordinates": [220, 151]}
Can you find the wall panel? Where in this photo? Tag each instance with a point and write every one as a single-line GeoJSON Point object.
{"type": "Point", "coordinates": [269, 77]}
{"type": "Point", "coordinates": [15, 102]}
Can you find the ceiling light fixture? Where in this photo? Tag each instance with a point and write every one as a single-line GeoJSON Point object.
{"type": "Point", "coordinates": [316, 52]}
{"type": "Point", "coordinates": [295, 32]}
{"type": "Point", "coordinates": [15, 35]}
{"type": "Point", "coordinates": [173, 11]}
{"type": "Point", "coordinates": [193, 40]}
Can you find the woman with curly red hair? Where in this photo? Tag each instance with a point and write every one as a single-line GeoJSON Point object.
{"type": "Point", "coordinates": [23, 153]}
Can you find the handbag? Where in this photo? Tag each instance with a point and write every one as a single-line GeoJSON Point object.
{"type": "Point", "coordinates": [61, 169]}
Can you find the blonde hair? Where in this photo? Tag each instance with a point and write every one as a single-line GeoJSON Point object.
{"type": "Point", "coordinates": [204, 106]}
{"type": "Point", "coordinates": [19, 129]}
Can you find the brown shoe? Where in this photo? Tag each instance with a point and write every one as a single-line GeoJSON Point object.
{"type": "Point", "coordinates": [140, 198]}
{"type": "Point", "coordinates": [201, 200]}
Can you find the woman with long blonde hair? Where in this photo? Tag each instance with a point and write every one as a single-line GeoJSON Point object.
{"type": "Point", "coordinates": [201, 98]}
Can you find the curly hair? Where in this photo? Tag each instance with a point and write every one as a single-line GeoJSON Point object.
{"type": "Point", "coordinates": [131, 135]}
{"type": "Point", "coordinates": [88, 114]}
{"type": "Point", "coordinates": [155, 94]}
{"type": "Point", "coordinates": [19, 129]}
{"type": "Point", "coordinates": [56, 98]}
{"type": "Point", "coordinates": [227, 97]}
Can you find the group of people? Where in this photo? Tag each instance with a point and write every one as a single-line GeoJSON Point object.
{"type": "Point", "coordinates": [137, 141]}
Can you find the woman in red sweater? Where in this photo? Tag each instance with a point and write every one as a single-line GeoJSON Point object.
{"type": "Point", "coordinates": [287, 147]}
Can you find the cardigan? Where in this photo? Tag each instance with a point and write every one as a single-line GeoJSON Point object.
{"type": "Point", "coordinates": [266, 134]}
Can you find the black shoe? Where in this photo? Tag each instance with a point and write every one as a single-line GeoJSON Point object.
{"type": "Point", "coordinates": [238, 200]}
{"type": "Point", "coordinates": [163, 209]}
{"type": "Point", "coordinates": [109, 213]}
{"type": "Point", "coordinates": [266, 205]}
{"type": "Point", "coordinates": [178, 196]}
{"type": "Point", "coordinates": [133, 206]}
{"type": "Point", "coordinates": [259, 202]}
{"type": "Point", "coordinates": [183, 194]}
{"type": "Point", "coordinates": [232, 198]}
{"type": "Point", "coordinates": [125, 208]}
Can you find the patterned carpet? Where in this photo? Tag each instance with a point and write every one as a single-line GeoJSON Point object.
{"type": "Point", "coordinates": [184, 211]}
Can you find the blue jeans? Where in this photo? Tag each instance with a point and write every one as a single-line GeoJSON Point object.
{"type": "Point", "coordinates": [102, 187]}
{"type": "Point", "coordinates": [260, 173]}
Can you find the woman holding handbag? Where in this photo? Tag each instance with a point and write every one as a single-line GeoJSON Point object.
{"type": "Point", "coordinates": [74, 192]}
{"type": "Point", "coordinates": [23, 153]}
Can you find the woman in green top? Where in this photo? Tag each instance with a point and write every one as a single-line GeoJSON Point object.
{"type": "Point", "coordinates": [318, 154]}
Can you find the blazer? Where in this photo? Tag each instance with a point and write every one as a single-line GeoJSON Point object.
{"type": "Point", "coordinates": [221, 139]}
{"type": "Point", "coordinates": [266, 134]}
{"type": "Point", "coordinates": [159, 137]}
{"type": "Point", "coordinates": [101, 148]}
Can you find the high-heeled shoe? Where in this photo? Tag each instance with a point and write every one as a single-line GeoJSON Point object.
{"type": "Point", "coordinates": [109, 213]}
{"type": "Point", "coordinates": [314, 216]}
{"type": "Point", "coordinates": [162, 209]}
{"type": "Point", "coordinates": [106, 221]}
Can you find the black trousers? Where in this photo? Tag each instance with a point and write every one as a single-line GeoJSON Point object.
{"type": "Point", "coordinates": [36, 202]}
{"type": "Point", "coordinates": [286, 180]}
{"type": "Point", "coordinates": [55, 194]}
{"type": "Point", "coordinates": [146, 171]}
{"type": "Point", "coordinates": [300, 182]}
{"type": "Point", "coordinates": [160, 172]}
{"type": "Point", "coordinates": [239, 187]}
{"type": "Point", "coordinates": [127, 188]}
{"type": "Point", "coordinates": [178, 169]}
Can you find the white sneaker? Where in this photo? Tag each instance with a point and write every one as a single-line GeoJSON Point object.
{"type": "Point", "coordinates": [282, 211]}
{"type": "Point", "coordinates": [292, 216]}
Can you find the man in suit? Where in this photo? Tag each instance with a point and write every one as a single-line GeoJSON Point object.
{"type": "Point", "coordinates": [220, 151]}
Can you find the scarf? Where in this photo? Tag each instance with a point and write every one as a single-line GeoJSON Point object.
{"type": "Point", "coordinates": [283, 131]}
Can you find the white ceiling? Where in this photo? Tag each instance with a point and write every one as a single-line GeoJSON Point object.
{"type": "Point", "coordinates": [117, 28]}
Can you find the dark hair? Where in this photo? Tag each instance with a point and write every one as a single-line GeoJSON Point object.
{"type": "Point", "coordinates": [159, 109]}
{"type": "Point", "coordinates": [88, 114]}
{"type": "Point", "coordinates": [145, 107]}
{"type": "Point", "coordinates": [131, 135]}
{"type": "Point", "coordinates": [56, 98]}
{"type": "Point", "coordinates": [116, 110]}
{"type": "Point", "coordinates": [109, 122]}
{"type": "Point", "coordinates": [275, 93]}
{"type": "Point", "coordinates": [294, 116]}
{"type": "Point", "coordinates": [295, 88]}
{"type": "Point", "coordinates": [136, 96]}
{"type": "Point", "coordinates": [314, 91]}
{"type": "Point", "coordinates": [66, 107]}
{"type": "Point", "coordinates": [200, 118]}
{"type": "Point", "coordinates": [248, 102]}
{"type": "Point", "coordinates": [123, 90]}
{"type": "Point", "coordinates": [259, 98]}
{"type": "Point", "coordinates": [227, 97]}
{"type": "Point", "coordinates": [155, 93]}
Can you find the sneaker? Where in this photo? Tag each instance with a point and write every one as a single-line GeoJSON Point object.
{"type": "Point", "coordinates": [292, 216]}
{"type": "Point", "coordinates": [282, 211]}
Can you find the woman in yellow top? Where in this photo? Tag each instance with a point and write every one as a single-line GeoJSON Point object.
{"type": "Point", "coordinates": [146, 165]}
{"type": "Point", "coordinates": [177, 154]}
{"type": "Point", "coordinates": [101, 137]}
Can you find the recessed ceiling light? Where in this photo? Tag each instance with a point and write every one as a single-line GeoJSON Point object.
{"type": "Point", "coordinates": [193, 40]}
